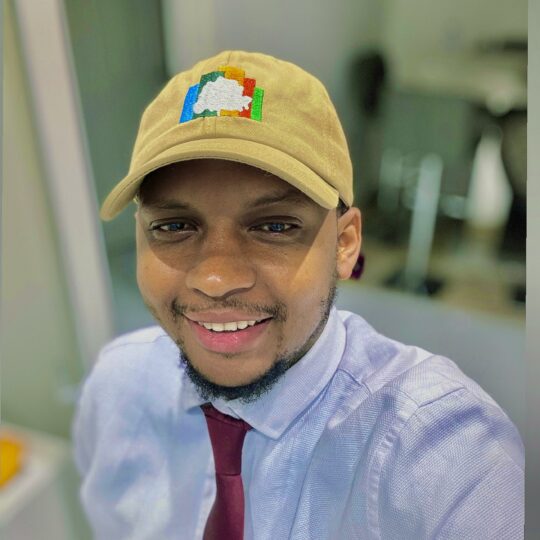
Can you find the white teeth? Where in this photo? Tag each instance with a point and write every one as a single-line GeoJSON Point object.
{"type": "Point", "coordinates": [217, 327]}
{"type": "Point", "coordinates": [227, 327]}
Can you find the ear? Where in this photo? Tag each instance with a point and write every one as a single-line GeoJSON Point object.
{"type": "Point", "coordinates": [349, 230]}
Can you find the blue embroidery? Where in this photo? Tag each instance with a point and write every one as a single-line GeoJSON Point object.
{"type": "Point", "coordinates": [191, 98]}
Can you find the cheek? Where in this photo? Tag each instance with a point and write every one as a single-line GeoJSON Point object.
{"type": "Point", "coordinates": [306, 288]}
{"type": "Point", "coordinates": [157, 280]}
{"type": "Point", "coordinates": [158, 283]}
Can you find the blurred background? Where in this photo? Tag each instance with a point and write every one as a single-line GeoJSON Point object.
{"type": "Point", "coordinates": [433, 98]}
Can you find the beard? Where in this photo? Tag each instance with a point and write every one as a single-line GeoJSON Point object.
{"type": "Point", "coordinates": [250, 392]}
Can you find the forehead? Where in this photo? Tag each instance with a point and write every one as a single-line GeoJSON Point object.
{"type": "Point", "coordinates": [219, 180]}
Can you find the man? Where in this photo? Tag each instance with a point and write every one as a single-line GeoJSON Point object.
{"type": "Point", "coordinates": [255, 409]}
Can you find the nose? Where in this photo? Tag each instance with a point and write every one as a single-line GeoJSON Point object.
{"type": "Point", "coordinates": [221, 272]}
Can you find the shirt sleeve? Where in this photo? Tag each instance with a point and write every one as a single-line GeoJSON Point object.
{"type": "Point", "coordinates": [454, 471]}
{"type": "Point", "coordinates": [95, 402]}
{"type": "Point", "coordinates": [81, 431]}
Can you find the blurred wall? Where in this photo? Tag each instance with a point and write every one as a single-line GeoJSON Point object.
{"type": "Point", "coordinates": [442, 27]}
{"type": "Point", "coordinates": [320, 36]}
{"type": "Point", "coordinates": [119, 62]}
{"type": "Point", "coordinates": [38, 347]}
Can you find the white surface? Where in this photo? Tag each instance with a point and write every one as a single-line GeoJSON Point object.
{"type": "Point", "coordinates": [490, 194]}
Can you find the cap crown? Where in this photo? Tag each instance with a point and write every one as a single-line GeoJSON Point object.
{"type": "Point", "coordinates": [247, 107]}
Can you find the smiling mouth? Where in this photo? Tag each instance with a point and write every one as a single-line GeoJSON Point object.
{"type": "Point", "coordinates": [229, 337]}
{"type": "Point", "coordinates": [233, 326]}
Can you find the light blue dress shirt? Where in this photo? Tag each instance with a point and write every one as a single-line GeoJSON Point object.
{"type": "Point", "coordinates": [363, 438]}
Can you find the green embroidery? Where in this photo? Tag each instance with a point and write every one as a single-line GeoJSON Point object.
{"type": "Point", "coordinates": [256, 104]}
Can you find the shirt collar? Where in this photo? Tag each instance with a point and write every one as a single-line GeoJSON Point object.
{"type": "Point", "coordinates": [273, 412]}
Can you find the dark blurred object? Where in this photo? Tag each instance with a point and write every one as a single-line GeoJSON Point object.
{"type": "Point", "coordinates": [513, 125]}
{"type": "Point", "coordinates": [358, 269]}
{"type": "Point", "coordinates": [367, 91]}
{"type": "Point", "coordinates": [514, 159]}
{"type": "Point", "coordinates": [505, 45]}
{"type": "Point", "coordinates": [368, 79]}
{"type": "Point", "coordinates": [429, 286]}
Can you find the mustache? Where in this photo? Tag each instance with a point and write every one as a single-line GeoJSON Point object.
{"type": "Point", "coordinates": [277, 311]}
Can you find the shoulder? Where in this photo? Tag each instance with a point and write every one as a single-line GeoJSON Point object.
{"type": "Point", "coordinates": [127, 373]}
{"type": "Point", "coordinates": [134, 365]}
{"type": "Point", "coordinates": [442, 455]}
{"type": "Point", "coordinates": [451, 465]}
{"type": "Point", "coordinates": [142, 336]}
{"type": "Point", "coordinates": [448, 412]}
{"type": "Point", "coordinates": [129, 354]}
{"type": "Point", "coordinates": [383, 366]}
{"type": "Point", "coordinates": [126, 359]}
{"type": "Point", "coordinates": [122, 386]}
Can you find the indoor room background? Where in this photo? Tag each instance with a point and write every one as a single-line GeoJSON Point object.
{"type": "Point", "coordinates": [433, 99]}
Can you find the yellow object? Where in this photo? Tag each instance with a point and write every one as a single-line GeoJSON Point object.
{"type": "Point", "coordinates": [11, 454]}
{"type": "Point", "coordinates": [294, 133]}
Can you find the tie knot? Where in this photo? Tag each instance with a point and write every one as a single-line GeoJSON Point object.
{"type": "Point", "coordinates": [227, 438]}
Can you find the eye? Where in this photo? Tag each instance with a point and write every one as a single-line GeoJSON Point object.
{"type": "Point", "coordinates": [275, 227]}
{"type": "Point", "coordinates": [171, 228]}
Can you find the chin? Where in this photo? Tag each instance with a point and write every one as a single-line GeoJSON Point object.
{"type": "Point", "coordinates": [246, 390]}
{"type": "Point", "coordinates": [233, 372]}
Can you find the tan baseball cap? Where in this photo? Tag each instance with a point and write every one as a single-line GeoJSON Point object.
{"type": "Point", "coordinates": [245, 107]}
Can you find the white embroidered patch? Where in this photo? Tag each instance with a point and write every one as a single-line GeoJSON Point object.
{"type": "Point", "coordinates": [221, 94]}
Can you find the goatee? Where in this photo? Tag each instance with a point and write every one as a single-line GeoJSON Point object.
{"type": "Point", "coordinates": [209, 390]}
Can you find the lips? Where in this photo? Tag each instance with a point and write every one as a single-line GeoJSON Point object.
{"type": "Point", "coordinates": [229, 341]}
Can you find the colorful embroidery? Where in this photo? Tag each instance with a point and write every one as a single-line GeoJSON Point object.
{"type": "Point", "coordinates": [225, 92]}
{"type": "Point", "coordinates": [256, 106]}
{"type": "Point", "coordinates": [191, 98]}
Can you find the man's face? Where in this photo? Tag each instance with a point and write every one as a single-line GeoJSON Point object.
{"type": "Point", "coordinates": [238, 266]}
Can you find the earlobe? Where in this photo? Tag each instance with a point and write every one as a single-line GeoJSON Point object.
{"type": "Point", "coordinates": [349, 242]}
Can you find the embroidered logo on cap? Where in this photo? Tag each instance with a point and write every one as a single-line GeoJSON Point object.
{"type": "Point", "coordinates": [225, 92]}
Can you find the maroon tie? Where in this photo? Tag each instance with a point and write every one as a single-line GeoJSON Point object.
{"type": "Point", "coordinates": [226, 520]}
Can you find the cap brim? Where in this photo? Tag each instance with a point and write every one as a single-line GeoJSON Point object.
{"type": "Point", "coordinates": [252, 153]}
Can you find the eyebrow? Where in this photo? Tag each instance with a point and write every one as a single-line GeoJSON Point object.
{"type": "Point", "coordinates": [166, 204]}
{"type": "Point", "coordinates": [290, 196]}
